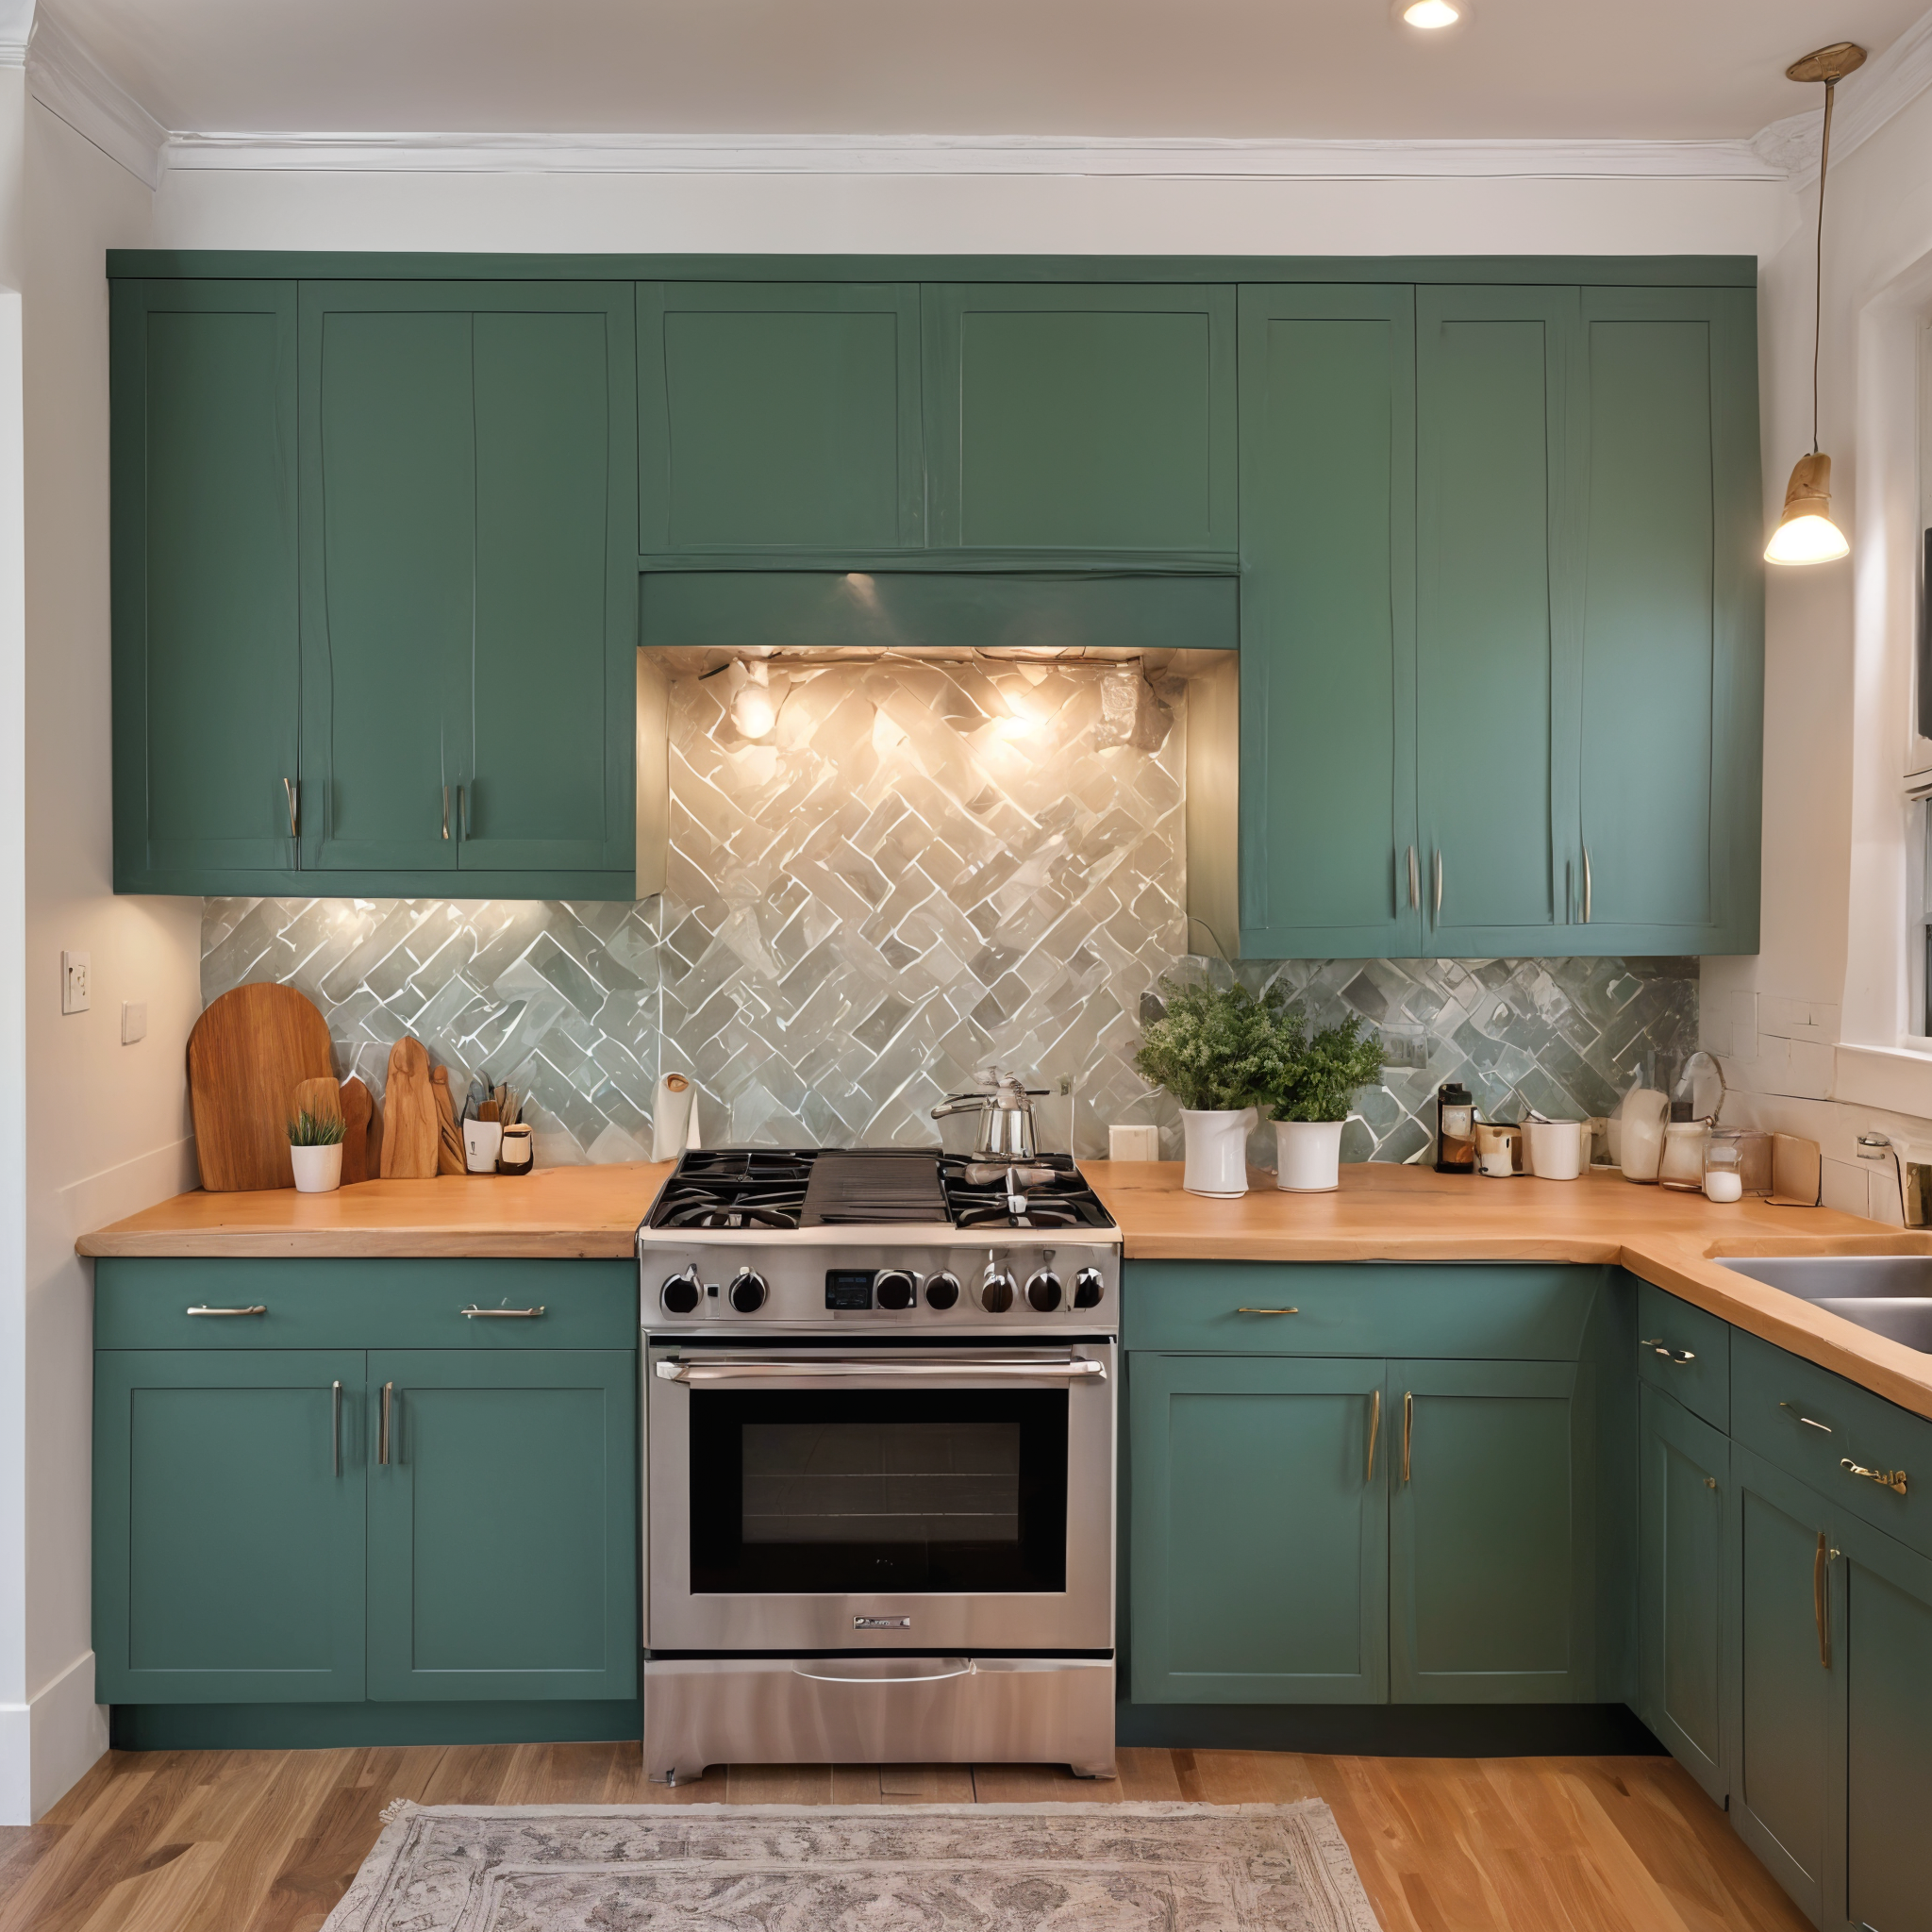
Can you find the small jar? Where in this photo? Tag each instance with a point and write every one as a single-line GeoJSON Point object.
{"type": "Point", "coordinates": [1681, 1164]}
{"type": "Point", "coordinates": [1724, 1176]}
{"type": "Point", "coordinates": [1454, 1130]}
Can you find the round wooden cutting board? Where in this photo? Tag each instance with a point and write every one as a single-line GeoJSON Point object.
{"type": "Point", "coordinates": [248, 1053]}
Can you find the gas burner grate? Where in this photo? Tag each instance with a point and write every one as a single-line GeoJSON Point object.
{"type": "Point", "coordinates": [735, 1187]}
{"type": "Point", "coordinates": [1046, 1191]}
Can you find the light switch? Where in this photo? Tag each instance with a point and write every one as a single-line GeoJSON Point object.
{"type": "Point", "coordinates": [77, 993]}
{"type": "Point", "coordinates": [133, 1021]}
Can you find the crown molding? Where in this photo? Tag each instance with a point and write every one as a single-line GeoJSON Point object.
{"type": "Point", "coordinates": [69, 82]}
{"type": "Point", "coordinates": [1173, 159]}
{"type": "Point", "coordinates": [1866, 101]}
{"type": "Point", "coordinates": [16, 30]}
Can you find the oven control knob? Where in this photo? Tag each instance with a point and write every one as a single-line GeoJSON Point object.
{"type": "Point", "coordinates": [996, 1295]}
{"type": "Point", "coordinates": [683, 1293]}
{"type": "Point", "coordinates": [1043, 1292]}
{"type": "Point", "coordinates": [1090, 1287]}
{"type": "Point", "coordinates": [748, 1292]}
{"type": "Point", "coordinates": [942, 1291]}
{"type": "Point", "coordinates": [895, 1289]}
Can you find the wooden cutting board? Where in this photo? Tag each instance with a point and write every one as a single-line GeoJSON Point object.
{"type": "Point", "coordinates": [449, 1147]}
{"type": "Point", "coordinates": [320, 1097]}
{"type": "Point", "coordinates": [359, 1116]}
{"type": "Point", "coordinates": [412, 1129]}
{"type": "Point", "coordinates": [248, 1053]}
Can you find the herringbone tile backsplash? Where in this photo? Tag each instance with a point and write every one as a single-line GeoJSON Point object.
{"type": "Point", "coordinates": [922, 869]}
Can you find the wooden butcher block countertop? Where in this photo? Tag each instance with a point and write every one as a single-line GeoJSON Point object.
{"type": "Point", "coordinates": [1381, 1213]}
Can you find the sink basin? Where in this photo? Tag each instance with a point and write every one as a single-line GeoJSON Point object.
{"type": "Point", "coordinates": [1888, 1294]}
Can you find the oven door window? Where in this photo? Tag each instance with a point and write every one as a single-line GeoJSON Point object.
{"type": "Point", "coordinates": [856, 1491]}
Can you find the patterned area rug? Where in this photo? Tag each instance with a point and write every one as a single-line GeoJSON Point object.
{"type": "Point", "coordinates": [782, 1867]}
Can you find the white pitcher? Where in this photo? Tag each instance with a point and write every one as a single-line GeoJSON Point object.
{"type": "Point", "coordinates": [1217, 1148]}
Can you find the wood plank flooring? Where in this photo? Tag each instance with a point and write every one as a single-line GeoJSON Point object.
{"type": "Point", "coordinates": [267, 1840]}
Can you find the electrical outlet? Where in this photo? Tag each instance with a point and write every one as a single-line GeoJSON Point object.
{"type": "Point", "coordinates": [77, 990]}
{"type": "Point", "coordinates": [133, 1021]}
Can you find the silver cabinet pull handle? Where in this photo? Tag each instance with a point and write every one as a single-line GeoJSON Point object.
{"type": "Point", "coordinates": [289, 786]}
{"type": "Point", "coordinates": [335, 1427]}
{"type": "Point", "coordinates": [1415, 890]}
{"type": "Point", "coordinates": [503, 1314]}
{"type": "Point", "coordinates": [1894, 1479]}
{"type": "Point", "coordinates": [1374, 1431]}
{"type": "Point", "coordinates": [1825, 1428]}
{"type": "Point", "coordinates": [1438, 915]}
{"type": "Point", "coordinates": [258, 1309]}
{"type": "Point", "coordinates": [1586, 885]}
{"type": "Point", "coordinates": [382, 1426]}
{"type": "Point", "coordinates": [1267, 1311]}
{"type": "Point", "coordinates": [445, 811]}
{"type": "Point", "coordinates": [1675, 1356]}
{"type": "Point", "coordinates": [462, 814]}
{"type": "Point", "coordinates": [1408, 1430]}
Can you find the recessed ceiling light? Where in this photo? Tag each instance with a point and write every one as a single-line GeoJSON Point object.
{"type": "Point", "coordinates": [1430, 14]}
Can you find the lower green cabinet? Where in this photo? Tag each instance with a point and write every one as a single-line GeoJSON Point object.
{"type": "Point", "coordinates": [502, 1526]}
{"type": "Point", "coordinates": [1260, 1546]}
{"type": "Point", "coordinates": [229, 1516]}
{"type": "Point", "coordinates": [1683, 1488]}
{"type": "Point", "coordinates": [1490, 1533]}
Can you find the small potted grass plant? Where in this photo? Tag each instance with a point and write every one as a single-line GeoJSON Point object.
{"type": "Point", "coordinates": [1312, 1088]}
{"type": "Point", "coordinates": [315, 1151]}
{"type": "Point", "coordinates": [1214, 1049]}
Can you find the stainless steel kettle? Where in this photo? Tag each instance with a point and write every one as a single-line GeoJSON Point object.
{"type": "Point", "coordinates": [1006, 1117]}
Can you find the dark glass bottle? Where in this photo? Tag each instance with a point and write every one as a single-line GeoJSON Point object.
{"type": "Point", "coordinates": [1454, 1130]}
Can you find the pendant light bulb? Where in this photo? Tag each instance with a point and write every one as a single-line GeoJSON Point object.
{"type": "Point", "coordinates": [1805, 533]}
{"type": "Point", "coordinates": [753, 710]}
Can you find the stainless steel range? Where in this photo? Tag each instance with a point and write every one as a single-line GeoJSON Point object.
{"type": "Point", "coordinates": [879, 1462]}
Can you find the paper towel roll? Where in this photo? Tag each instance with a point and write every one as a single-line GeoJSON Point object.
{"type": "Point", "coordinates": [673, 1117]}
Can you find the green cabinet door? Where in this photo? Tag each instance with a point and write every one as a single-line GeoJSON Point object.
{"type": "Point", "coordinates": [1089, 416]}
{"type": "Point", "coordinates": [502, 1525]}
{"type": "Point", "coordinates": [779, 416]}
{"type": "Point", "coordinates": [207, 692]}
{"type": "Point", "coordinates": [1328, 859]}
{"type": "Point", "coordinates": [228, 1527]}
{"type": "Point", "coordinates": [1784, 1700]}
{"type": "Point", "coordinates": [1496, 637]}
{"type": "Point", "coordinates": [1672, 623]}
{"type": "Point", "coordinates": [1258, 1539]}
{"type": "Point", "coordinates": [469, 583]}
{"type": "Point", "coordinates": [1883, 1639]}
{"type": "Point", "coordinates": [1491, 1533]}
{"type": "Point", "coordinates": [1682, 1483]}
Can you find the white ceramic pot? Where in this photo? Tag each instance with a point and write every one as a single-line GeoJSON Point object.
{"type": "Point", "coordinates": [1558, 1150]}
{"type": "Point", "coordinates": [1217, 1148]}
{"type": "Point", "coordinates": [482, 1143]}
{"type": "Point", "coordinates": [318, 1170]}
{"type": "Point", "coordinates": [1307, 1156]}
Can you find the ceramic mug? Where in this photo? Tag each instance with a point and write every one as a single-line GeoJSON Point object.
{"type": "Point", "coordinates": [1557, 1148]}
{"type": "Point", "coordinates": [1498, 1149]}
{"type": "Point", "coordinates": [481, 1140]}
{"type": "Point", "coordinates": [1217, 1148]}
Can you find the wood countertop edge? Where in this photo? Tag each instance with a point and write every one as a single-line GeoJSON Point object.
{"type": "Point", "coordinates": [325, 1245]}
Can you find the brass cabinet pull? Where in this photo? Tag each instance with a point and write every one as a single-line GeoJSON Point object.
{"type": "Point", "coordinates": [335, 1428]}
{"type": "Point", "coordinates": [255, 1309]}
{"type": "Point", "coordinates": [1374, 1431]}
{"type": "Point", "coordinates": [1675, 1356]}
{"type": "Point", "coordinates": [1407, 1429]}
{"type": "Point", "coordinates": [1826, 1427]}
{"type": "Point", "coordinates": [1586, 885]}
{"type": "Point", "coordinates": [1267, 1311]}
{"type": "Point", "coordinates": [445, 811]}
{"type": "Point", "coordinates": [1819, 1564]}
{"type": "Point", "coordinates": [1894, 1479]}
{"type": "Point", "coordinates": [503, 1314]}
{"type": "Point", "coordinates": [1415, 890]}
{"type": "Point", "coordinates": [289, 786]}
{"type": "Point", "coordinates": [382, 1426]}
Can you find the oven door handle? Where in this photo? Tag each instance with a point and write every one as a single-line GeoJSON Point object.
{"type": "Point", "coordinates": [1069, 1369]}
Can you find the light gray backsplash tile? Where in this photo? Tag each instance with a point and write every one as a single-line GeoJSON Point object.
{"type": "Point", "coordinates": [923, 870]}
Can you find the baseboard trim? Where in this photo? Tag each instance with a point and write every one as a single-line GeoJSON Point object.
{"type": "Point", "coordinates": [1393, 1730]}
{"type": "Point", "coordinates": [324, 1727]}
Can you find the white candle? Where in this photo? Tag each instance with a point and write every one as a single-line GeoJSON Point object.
{"type": "Point", "coordinates": [1721, 1185]}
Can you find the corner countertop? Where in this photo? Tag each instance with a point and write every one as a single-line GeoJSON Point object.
{"type": "Point", "coordinates": [1381, 1213]}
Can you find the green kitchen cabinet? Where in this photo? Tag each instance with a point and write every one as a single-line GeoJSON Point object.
{"type": "Point", "coordinates": [502, 1525]}
{"type": "Point", "coordinates": [468, 586]}
{"type": "Point", "coordinates": [207, 681]}
{"type": "Point", "coordinates": [1329, 861]}
{"type": "Point", "coordinates": [229, 1528]}
{"type": "Point", "coordinates": [1684, 1484]}
{"type": "Point", "coordinates": [1784, 1708]}
{"type": "Point", "coordinates": [1081, 416]}
{"type": "Point", "coordinates": [1491, 1533]}
{"type": "Point", "coordinates": [1260, 1542]}
{"type": "Point", "coordinates": [1671, 748]}
{"type": "Point", "coordinates": [780, 415]}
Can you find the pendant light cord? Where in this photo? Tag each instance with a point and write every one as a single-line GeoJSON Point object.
{"type": "Point", "coordinates": [1818, 260]}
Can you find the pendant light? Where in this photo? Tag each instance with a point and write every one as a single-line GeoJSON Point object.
{"type": "Point", "coordinates": [1805, 533]}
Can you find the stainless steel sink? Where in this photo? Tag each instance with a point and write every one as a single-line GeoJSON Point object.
{"type": "Point", "coordinates": [1890, 1294]}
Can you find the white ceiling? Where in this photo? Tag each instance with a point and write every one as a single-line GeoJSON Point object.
{"type": "Point", "coordinates": [1310, 69]}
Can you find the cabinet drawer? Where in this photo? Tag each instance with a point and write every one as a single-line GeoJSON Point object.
{"type": "Point", "coordinates": [1529, 1312]}
{"type": "Point", "coordinates": [364, 1303]}
{"type": "Point", "coordinates": [1816, 1424]}
{"type": "Point", "coordinates": [1686, 1352]}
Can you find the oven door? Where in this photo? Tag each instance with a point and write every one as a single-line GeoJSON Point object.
{"type": "Point", "coordinates": [817, 1498]}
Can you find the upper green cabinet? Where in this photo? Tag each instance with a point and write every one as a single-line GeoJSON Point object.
{"type": "Point", "coordinates": [1081, 416]}
{"type": "Point", "coordinates": [206, 647]}
{"type": "Point", "coordinates": [779, 416]}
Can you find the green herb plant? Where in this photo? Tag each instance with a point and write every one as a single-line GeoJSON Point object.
{"type": "Point", "coordinates": [1316, 1076]}
{"type": "Point", "coordinates": [1216, 1048]}
{"type": "Point", "coordinates": [315, 1129]}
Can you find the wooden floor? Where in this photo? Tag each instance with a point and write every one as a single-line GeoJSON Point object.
{"type": "Point", "coordinates": [267, 1840]}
